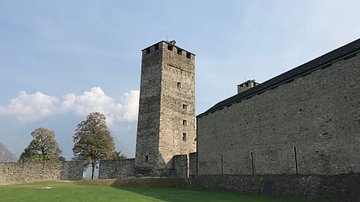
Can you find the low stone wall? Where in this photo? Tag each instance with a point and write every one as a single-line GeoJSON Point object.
{"type": "Point", "coordinates": [337, 188]}
{"type": "Point", "coordinates": [192, 164]}
{"type": "Point", "coordinates": [72, 170]}
{"type": "Point", "coordinates": [110, 169]}
{"type": "Point", "coordinates": [17, 173]}
{"type": "Point", "coordinates": [139, 182]}
{"type": "Point", "coordinates": [180, 166]}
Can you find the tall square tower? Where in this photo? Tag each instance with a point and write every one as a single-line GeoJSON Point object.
{"type": "Point", "coordinates": [166, 122]}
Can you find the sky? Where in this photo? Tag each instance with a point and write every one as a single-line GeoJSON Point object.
{"type": "Point", "coordinates": [61, 60]}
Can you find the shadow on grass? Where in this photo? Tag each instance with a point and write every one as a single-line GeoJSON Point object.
{"type": "Point", "coordinates": [176, 190]}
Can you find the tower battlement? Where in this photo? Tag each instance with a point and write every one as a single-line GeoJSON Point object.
{"type": "Point", "coordinates": [170, 46]}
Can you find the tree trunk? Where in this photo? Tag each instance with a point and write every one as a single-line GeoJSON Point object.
{"type": "Point", "coordinates": [92, 170]}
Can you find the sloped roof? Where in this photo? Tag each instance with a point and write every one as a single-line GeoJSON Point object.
{"type": "Point", "coordinates": [323, 61]}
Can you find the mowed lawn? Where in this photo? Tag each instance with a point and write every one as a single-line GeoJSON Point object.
{"type": "Point", "coordinates": [52, 191]}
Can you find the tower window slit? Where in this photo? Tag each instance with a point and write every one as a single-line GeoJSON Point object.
{"type": "Point", "coordinates": [184, 136]}
{"type": "Point", "coordinates": [184, 122]}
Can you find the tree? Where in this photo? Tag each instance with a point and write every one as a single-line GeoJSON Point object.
{"type": "Point", "coordinates": [93, 141]}
{"type": "Point", "coordinates": [117, 156]}
{"type": "Point", "coordinates": [42, 148]}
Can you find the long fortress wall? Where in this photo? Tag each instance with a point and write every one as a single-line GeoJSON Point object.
{"type": "Point", "coordinates": [309, 124]}
{"type": "Point", "coordinates": [109, 169]}
{"type": "Point", "coordinates": [337, 188]}
{"type": "Point", "coordinates": [296, 135]}
{"type": "Point", "coordinates": [17, 173]}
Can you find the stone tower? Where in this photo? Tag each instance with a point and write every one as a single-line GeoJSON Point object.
{"type": "Point", "coordinates": [166, 122]}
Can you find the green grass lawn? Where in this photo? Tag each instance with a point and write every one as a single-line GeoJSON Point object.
{"type": "Point", "coordinates": [52, 191]}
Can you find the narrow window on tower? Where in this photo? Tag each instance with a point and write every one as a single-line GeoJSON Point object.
{"type": "Point", "coordinates": [184, 122]}
{"type": "Point", "coordinates": [178, 84]}
{"type": "Point", "coordinates": [146, 158]}
{"type": "Point", "coordinates": [184, 137]}
{"type": "Point", "coordinates": [185, 106]}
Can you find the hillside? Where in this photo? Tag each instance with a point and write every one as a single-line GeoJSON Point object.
{"type": "Point", "coordinates": [6, 155]}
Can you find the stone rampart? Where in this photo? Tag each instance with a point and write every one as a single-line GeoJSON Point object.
{"type": "Point", "coordinates": [337, 188]}
{"type": "Point", "coordinates": [298, 131]}
{"type": "Point", "coordinates": [17, 173]}
{"type": "Point", "coordinates": [180, 166]}
{"type": "Point", "coordinates": [110, 169]}
{"type": "Point", "coordinates": [192, 164]}
{"type": "Point", "coordinates": [309, 125]}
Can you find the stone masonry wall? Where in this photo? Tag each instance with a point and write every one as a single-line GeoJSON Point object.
{"type": "Point", "coordinates": [110, 169]}
{"type": "Point", "coordinates": [180, 166]}
{"type": "Point", "coordinates": [166, 123]}
{"type": "Point", "coordinates": [72, 170]}
{"type": "Point", "coordinates": [177, 112]}
{"type": "Point", "coordinates": [310, 125]}
{"type": "Point", "coordinates": [339, 188]}
{"type": "Point", "coordinates": [192, 164]}
{"type": "Point", "coordinates": [17, 173]}
{"type": "Point", "coordinates": [147, 136]}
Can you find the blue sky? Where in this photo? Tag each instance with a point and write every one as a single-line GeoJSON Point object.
{"type": "Point", "coordinates": [61, 60]}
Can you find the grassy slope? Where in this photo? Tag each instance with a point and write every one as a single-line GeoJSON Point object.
{"type": "Point", "coordinates": [87, 191]}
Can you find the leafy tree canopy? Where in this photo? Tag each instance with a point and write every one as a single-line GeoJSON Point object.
{"type": "Point", "coordinates": [93, 141]}
{"type": "Point", "coordinates": [117, 156]}
{"type": "Point", "coordinates": [43, 147]}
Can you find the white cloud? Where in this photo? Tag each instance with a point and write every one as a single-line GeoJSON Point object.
{"type": "Point", "coordinates": [131, 105]}
{"type": "Point", "coordinates": [96, 100]}
{"type": "Point", "coordinates": [32, 107]}
{"type": "Point", "coordinates": [89, 101]}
